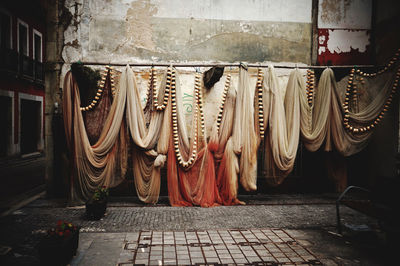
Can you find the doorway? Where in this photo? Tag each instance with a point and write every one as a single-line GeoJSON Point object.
{"type": "Point", "coordinates": [6, 125]}
{"type": "Point", "coordinates": [30, 125]}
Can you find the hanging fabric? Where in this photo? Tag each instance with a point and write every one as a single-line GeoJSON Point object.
{"type": "Point", "coordinates": [245, 141]}
{"type": "Point", "coordinates": [221, 145]}
{"type": "Point", "coordinates": [95, 118]}
{"type": "Point", "coordinates": [93, 165]}
{"type": "Point", "coordinates": [282, 116]}
{"type": "Point", "coordinates": [191, 172]}
{"type": "Point", "coordinates": [326, 120]}
{"type": "Point", "coordinates": [147, 158]}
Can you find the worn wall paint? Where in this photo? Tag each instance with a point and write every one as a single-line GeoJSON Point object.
{"type": "Point", "coordinates": [345, 14]}
{"type": "Point", "coordinates": [182, 30]}
{"type": "Point", "coordinates": [343, 32]}
{"type": "Point", "coordinates": [247, 10]}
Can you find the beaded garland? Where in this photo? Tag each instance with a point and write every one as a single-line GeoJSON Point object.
{"type": "Point", "coordinates": [222, 105]}
{"type": "Point", "coordinates": [260, 102]}
{"type": "Point", "coordinates": [352, 89]}
{"type": "Point", "coordinates": [310, 86]}
{"type": "Point", "coordinates": [197, 111]}
{"type": "Point", "coordinates": [170, 83]}
{"type": "Point", "coordinates": [391, 63]}
{"type": "Point", "coordinates": [109, 71]}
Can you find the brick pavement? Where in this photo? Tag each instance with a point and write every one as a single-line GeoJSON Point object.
{"type": "Point", "coordinates": [253, 246]}
{"type": "Point", "coordinates": [291, 233]}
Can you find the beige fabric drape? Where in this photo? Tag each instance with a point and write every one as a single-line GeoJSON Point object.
{"type": "Point", "coordinates": [95, 165]}
{"type": "Point", "coordinates": [323, 122]}
{"type": "Point", "coordinates": [147, 159]}
{"type": "Point", "coordinates": [282, 117]}
{"type": "Point", "coordinates": [245, 140]}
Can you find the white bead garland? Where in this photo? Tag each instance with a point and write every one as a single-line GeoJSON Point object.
{"type": "Point", "coordinates": [222, 105]}
{"type": "Point", "coordinates": [197, 110]}
{"type": "Point", "coordinates": [351, 87]}
{"type": "Point", "coordinates": [170, 82]}
{"type": "Point", "coordinates": [100, 89]}
{"type": "Point", "coordinates": [259, 88]}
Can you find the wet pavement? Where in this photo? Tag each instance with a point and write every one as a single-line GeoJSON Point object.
{"type": "Point", "coordinates": [269, 230]}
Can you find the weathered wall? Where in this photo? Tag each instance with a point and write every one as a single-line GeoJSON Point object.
{"type": "Point", "coordinates": [127, 31]}
{"type": "Point", "coordinates": [182, 30]}
{"type": "Point", "coordinates": [344, 32]}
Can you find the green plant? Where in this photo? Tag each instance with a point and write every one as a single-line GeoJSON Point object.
{"type": "Point", "coordinates": [101, 193]}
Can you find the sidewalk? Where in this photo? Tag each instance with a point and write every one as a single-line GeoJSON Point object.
{"type": "Point", "coordinates": [270, 230]}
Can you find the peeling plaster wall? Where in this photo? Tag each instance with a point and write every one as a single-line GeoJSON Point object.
{"type": "Point", "coordinates": [344, 32]}
{"type": "Point", "coordinates": [188, 30]}
{"type": "Point", "coordinates": [124, 31]}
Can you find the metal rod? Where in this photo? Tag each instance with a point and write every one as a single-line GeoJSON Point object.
{"type": "Point", "coordinates": [217, 64]}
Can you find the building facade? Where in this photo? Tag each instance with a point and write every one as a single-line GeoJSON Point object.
{"type": "Point", "coordinates": [22, 93]}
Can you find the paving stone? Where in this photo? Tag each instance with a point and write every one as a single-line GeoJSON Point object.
{"type": "Point", "coordinates": [240, 260]}
{"type": "Point", "coordinates": [224, 256]}
{"type": "Point", "coordinates": [169, 262]}
{"type": "Point", "coordinates": [237, 255]}
{"type": "Point", "coordinates": [145, 262]}
{"type": "Point", "coordinates": [226, 261]}
{"type": "Point", "coordinates": [169, 255]}
{"type": "Point", "coordinates": [268, 259]}
{"type": "Point", "coordinates": [196, 254]}
{"type": "Point", "coordinates": [198, 260]}
{"type": "Point", "coordinates": [184, 262]}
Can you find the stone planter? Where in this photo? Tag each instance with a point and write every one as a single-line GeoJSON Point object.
{"type": "Point", "coordinates": [95, 209]}
{"type": "Point", "coordinates": [58, 250]}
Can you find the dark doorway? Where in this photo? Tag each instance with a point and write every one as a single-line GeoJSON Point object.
{"type": "Point", "coordinates": [6, 122]}
{"type": "Point", "coordinates": [30, 125]}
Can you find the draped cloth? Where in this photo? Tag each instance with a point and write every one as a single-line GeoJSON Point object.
{"type": "Point", "coordinates": [195, 185]}
{"type": "Point", "coordinates": [282, 117]}
{"type": "Point", "coordinates": [94, 119]}
{"type": "Point", "coordinates": [213, 177]}
{"type": "Point", "coordinates": [147, 156]}
{"type": "Point", "coordinates": [99, 164]}
{"type": "Point", "coordinates": [244, 138]}
{"type": "Point", "coordinates": [221, 145]}
{"type": "Point", "coordinates": [323, 122]}
{"type": "Point", "coordinates": [287, 114]}
{"type": "Point", "coordinates": [94, 165]}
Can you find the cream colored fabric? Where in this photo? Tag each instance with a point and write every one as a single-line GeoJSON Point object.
{"type": "Point", "coordinates": [98, 164]}
{"type": "Point", "coordinates": [315, 119]}
{"type": "Point", "coordinates": [147, 159]}
{"type": "Point", "coordinates": [95, 165]}
{"type": "Point", "coordinates": [282, 112]}
{"type": "Point", "coordinates": [245, 140]}
{"type": "Point", "coordinates": [223, 137]}
{"type": "Point", "coordinates": [323, 122]}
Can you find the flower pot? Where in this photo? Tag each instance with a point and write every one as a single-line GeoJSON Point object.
{"type": "Point", "coordinates": [58, 251]}
{"type": "Point", "coordinates": [95, 209]}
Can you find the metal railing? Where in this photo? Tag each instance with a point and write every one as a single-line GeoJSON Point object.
{"type": "Point", "coordinates": [21, 65]}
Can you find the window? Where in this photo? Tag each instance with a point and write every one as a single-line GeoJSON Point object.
{"type": "Point", "coordinates": [37, 46]}
{"type": "Point", "coordinates": [5, 30]}
{"type": "Point", "coordinates": [23, 40]}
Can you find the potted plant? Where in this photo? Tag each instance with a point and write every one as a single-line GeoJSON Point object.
{"type": "Point", "coordinates": [59, 244]}
{"type": "Point", "coordinates": [96, 206]}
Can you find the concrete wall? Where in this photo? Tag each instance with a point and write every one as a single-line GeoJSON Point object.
{"type": "Point", "coordinates": [127, 31]}
{"type": "Point", "coordinates": [344, 32]}
{"type": "Point", "coordinates": [188, 30]}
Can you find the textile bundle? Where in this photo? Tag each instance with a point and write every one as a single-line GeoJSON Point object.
{"type": "Point", "coordinates": [205, 171]}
